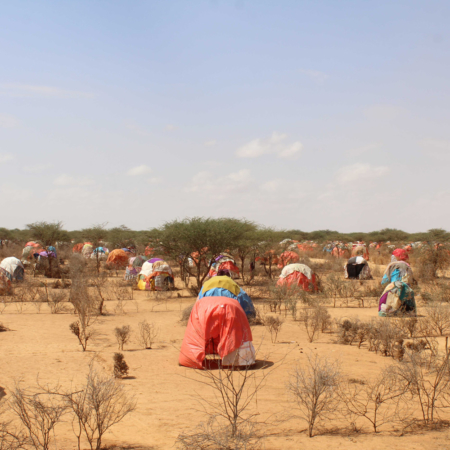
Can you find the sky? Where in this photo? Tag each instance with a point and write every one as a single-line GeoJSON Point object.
{"type": "Point", "coordinates": [308, 115]}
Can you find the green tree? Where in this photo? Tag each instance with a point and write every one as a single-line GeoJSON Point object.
{"type": "Point", "coordinates": [206, 238]}
{"type": "Point", "coordinates": [268, 240]}
{"type": "Point", "coordinates": [438, 235]}
{"type": "Point", "coordinates": [48, 234]}
{"type": "Point", "coordinates": [121, 237]}
{"type": "Point", "coordinates": [246, 248]}
{"type": "Point", "coordinates": [5, 234]}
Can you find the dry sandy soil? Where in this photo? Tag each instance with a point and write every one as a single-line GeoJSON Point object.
{"type": "Point", "coordinates": [40, 344]}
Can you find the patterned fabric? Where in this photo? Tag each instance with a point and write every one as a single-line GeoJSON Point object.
{"type": "Point", "coordinates": [398, 271]}
{"type": "Point", "coordinates": [397, 298]}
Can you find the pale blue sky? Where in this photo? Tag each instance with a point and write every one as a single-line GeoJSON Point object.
{"type": "Point", "coordinates": [295, 114]}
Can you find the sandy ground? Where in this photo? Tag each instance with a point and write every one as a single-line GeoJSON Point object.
{"type": "Point", "coordinates": [41, 345]}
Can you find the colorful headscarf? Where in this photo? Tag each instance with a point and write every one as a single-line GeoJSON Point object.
{"type": "Point", "coordinates": [400, 254]}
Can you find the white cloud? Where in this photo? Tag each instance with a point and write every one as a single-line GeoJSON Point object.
{"type": "Point", "coordinates": [8, 121]}
{"type": "Point", "coordinates": [211, 143]}
{"type": "Point", "coordinates": [233, 183]}
{"type": "Point", "coordinates": [68, 180]}
{"type": "Point", "coordinates": [155, 180]}
{"type": "Point", "coordinates": [275, 144]}
{"type": "Point", "coordinates": [139, 170]}
{"type": "Point", "coordinates": [170, 127]}
{"type": "Point", "coordinates": [29, 90]}
{"type": "Point", "coordinates": [437, 148]}
{"type": "Point", "coordinates": [37, 168]}
{"type": "Point", "coordinates": [315, 75]}
{"type": "Point", "coordinates": [5, 158]}
{"type": "Point", "coordinates": [360, 172]}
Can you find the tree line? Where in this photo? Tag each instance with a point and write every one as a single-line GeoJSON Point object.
{"type": "Point", "coordinates": [48, 233]}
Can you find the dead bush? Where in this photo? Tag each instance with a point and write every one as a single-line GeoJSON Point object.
{"type": "Point", "coordinates": [437, 292]}
{"type": "Point", "coordinates": [57, 301]}
{"type": "Point", "coordinates": [427, 379]}
{"type": "Point", "coordinates": [216, 435]}
{"type": "Point", "coordinates": [314, 319]}
{"type": "Point", "coordinates": [147, 334]}
{"type": "Point", "coordinates": [231, 411]}
{"type": "Point", "coordinates": [350, 331]}
{"type": "Point", "coordinates": [429, 261]}
{"type": "Point", "coordinates": [438, 315]}
{"type": "Point", "coordinates": [384, 337]}
{"type": "Point", "coordinates": [39, 413]}
{"type": "Point", "coordinates": [380, 401]}
{"type": "Point", "coordinates": [408, 326]}
{"type": "Point", "coordinates": [273, 325]}
{"type": "Point", "coordinates": [123, 335]}
{"type": "Point", "coordinates": [97, 406]}
{"type": "Point", "coordinates": [314, 387]}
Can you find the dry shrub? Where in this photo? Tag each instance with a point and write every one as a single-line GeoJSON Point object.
{"type": "Point", "coordinates": [437, 292]}
{"type": "Point", "coordinates": [11, 249]}
{"type": "Point", "coordinates": [147, 334]}
{"type": "Point", "coordinates": [216, 435]}
{"type": "Point", "coordinates": [428, 381]}
{"type": "Point", "coordinates": [87, 304]}
{"type": "Point", "coordinates": [314, 387]}
{"type": "Point", "coordinates": [57, 302]}
{"type": "Point", "coordinates": [97, 406]}
{"type": "Point", "coordinates": [331, 265]}
{"type": "Point", "coordinates": [279, 295]}
{"type": "Point", "coordinates": [273, 325]}
{"type": "Point", "coordinates": [336, 287]}
{"type": "Point", "coordinates": [382, 336]}
{"type": "Point", "coordinates": [429, 261]}
{"type": "Point", "coordinates": [350, 331]}
{"type": "Point", "coordinates": [438, 316]}
{"type": "Point", "coordinates": [123, 335]}
{"type": "Point", "coordinates": [315, 320]}
{"type": "Point", "coordinates": [120, 366]}
{"type": "Point", "coordinates": [3, 328]}
{"type": "Point", "coordinates": [39, 413]}
{"type": "Point", "coordinates": [408, 326]}
{"type": "Point", "coordinates": [381, 400]}
{"type": "Point", "coordinates": [231, 411]}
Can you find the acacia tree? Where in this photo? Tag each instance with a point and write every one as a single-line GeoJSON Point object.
{"type": "Point", "coordinates": [246, 248]}
{"type": "Point", "coordinates": [120, 237]}
{"type": "Point", "coordinates": [48, 234]}
{"type": "Point", "coordinates": [199, 240]}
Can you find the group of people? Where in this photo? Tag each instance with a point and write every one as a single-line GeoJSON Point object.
{"type": "Point", "coordinates": [398, 295]}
